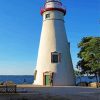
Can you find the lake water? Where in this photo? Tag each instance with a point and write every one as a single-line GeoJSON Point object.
{"type": "Point", "coordinates": [18, 79]}
{"type": "Point", "coordinates": [28, 79]}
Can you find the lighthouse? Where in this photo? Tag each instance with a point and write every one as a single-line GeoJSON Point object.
{"type": "Point", "coordinates": [54, 64]}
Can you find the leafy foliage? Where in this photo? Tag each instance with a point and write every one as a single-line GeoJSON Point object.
{"type": "Point", "coordinates": [89, 54]}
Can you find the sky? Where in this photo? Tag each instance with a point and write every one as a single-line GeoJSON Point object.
{"type": "Point", "coordinates": [20, 30]}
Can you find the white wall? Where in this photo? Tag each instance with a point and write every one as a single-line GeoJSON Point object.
{"type": "Point", "coordinates": [53, 38]}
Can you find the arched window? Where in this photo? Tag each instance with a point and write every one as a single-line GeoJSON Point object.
{"type": "Point", "coordinates": [35, 73]}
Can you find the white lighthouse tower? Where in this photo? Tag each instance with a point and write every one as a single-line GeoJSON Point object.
{"type": "Point", "coordinates": [54, 64]}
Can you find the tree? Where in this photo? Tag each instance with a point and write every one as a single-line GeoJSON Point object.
{"type": "Point", "coordinates": [89, 55]}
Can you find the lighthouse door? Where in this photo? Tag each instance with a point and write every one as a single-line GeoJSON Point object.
{"type": "Point", "coordinates": [47, 80]}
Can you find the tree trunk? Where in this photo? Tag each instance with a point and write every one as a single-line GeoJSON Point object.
{"type": "Point", "coordinates": [96, 75]}
{"type": "Point", "coordinates": [99, 77]}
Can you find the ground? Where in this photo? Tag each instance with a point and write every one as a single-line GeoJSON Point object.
{"type": "Point", "coordinates": [30, 92]}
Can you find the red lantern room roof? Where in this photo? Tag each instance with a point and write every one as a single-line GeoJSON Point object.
{"type": "Point", "coordinates": [51, 5]}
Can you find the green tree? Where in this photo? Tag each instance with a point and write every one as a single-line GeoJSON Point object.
{"type": "Point", "coordinates": [89, 55]}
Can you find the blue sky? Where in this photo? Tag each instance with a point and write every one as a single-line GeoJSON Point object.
{"type": "Point", "coordinates": [20, 28]}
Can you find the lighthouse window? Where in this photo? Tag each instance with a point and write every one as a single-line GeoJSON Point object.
{"type": "Point", "coordinates": [55, 57]}
{"type": "Point", "coordinates": [47, 16]}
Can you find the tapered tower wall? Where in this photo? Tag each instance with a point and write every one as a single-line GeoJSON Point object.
{"type": "Point", "coordinates": [53, 39]}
